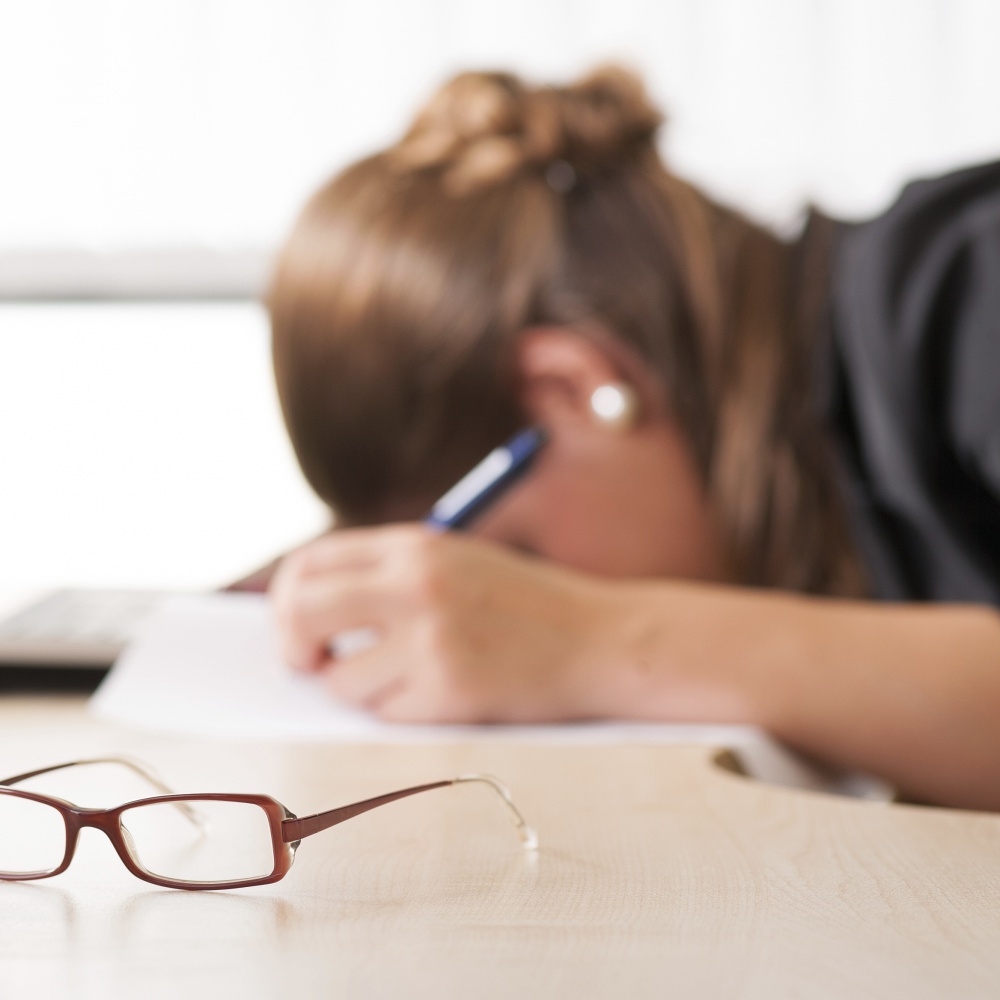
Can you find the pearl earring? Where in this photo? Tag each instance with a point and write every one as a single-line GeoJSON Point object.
{"type": "Point", "coordinates": [614, 404]}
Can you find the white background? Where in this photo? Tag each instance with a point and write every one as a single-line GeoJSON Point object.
{"type": "Point", "coordinates": [165, 121]}
{"type": "Point", "coordinates": [141, 445]}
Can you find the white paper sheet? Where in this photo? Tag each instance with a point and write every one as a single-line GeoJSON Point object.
{"type": "Point", "coordinates": [209, 666]}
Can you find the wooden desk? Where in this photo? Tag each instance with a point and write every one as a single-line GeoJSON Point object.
{"type": "Point", "coordinates": [658, 875]}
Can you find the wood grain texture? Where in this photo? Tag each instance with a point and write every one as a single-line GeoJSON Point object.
{"type": "Point", "coordinates": [659, 874]}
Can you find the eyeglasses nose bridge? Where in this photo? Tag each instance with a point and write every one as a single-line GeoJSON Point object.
{"type": "Point", "coordinates": [99, 819]}
{"type": "Point", "coordinates": [107, 821]}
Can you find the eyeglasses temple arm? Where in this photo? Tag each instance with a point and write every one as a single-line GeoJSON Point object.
{"type": "Point", "coordinates": [143, 770]}
{"type": "Point", "coordinates": [296, 829]}
{"type": "Point", "coordinates": [139, 768]}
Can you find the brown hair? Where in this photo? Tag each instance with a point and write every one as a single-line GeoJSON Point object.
{"type": "Point", "coordinates": [398, 298]}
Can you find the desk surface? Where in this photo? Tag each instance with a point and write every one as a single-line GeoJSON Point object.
{"type": "Point", "coordinates": [658, 873]}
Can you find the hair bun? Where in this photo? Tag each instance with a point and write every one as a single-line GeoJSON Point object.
{"type": "Point", "coordinates": [606, 115]}
{"type": "Point", "coordinates": [482, 128]}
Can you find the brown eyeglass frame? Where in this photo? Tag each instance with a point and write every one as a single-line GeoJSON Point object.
{"type": "Point", "coordinates": [287, 829]}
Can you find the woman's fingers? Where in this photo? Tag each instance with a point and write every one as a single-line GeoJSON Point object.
{"type": "Point", "coordinates": [313, 612]}
{"type": "Point", "coordinates": [404, 677]}
{"type": "Point", "coordinates": [366, 579]}
{"type": "Point", "coordinates": [364, 678]}
{"type": "Point", "coordinates": [354, 549]}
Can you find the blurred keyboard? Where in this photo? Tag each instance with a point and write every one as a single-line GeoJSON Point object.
{"type": "Point", "coordinates": [74, 628]}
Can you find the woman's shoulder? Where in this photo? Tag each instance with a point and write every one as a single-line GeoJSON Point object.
{"type": "Point", "coordinates": [931, 221]}
{"type": "Point", "coordinates": [917, 290]}
{"type": "Point", "coordinates": [916, 317]}
{"type": "Point", "coordinates": [945, 194]}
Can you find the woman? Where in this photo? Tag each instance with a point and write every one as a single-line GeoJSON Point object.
{"type": "Point", "coordinates": [798, 429]}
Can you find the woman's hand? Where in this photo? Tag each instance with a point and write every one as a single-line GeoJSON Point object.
{"type": "Point", "coordinates": [468, 631]}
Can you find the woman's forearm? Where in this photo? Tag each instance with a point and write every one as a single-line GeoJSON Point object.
{"type": "Point", "coordinates": [909, 692]}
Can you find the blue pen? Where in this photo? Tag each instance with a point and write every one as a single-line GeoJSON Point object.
{"type": "Point", "coordinates": [492, 477]}
{"type": "Point", "coordinates": [470, 496]}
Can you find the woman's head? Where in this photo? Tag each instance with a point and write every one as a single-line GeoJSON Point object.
{"type": "Point", "coordinates": [416, 304]}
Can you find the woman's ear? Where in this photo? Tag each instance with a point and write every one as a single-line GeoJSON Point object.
{"type": "Point", "coordinates": [570, 380]}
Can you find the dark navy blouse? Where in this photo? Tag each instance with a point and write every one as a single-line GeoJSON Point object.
{"type": "Point", "coordinates": [915, 337]}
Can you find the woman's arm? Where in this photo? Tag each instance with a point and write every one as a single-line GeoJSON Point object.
{"type": "Point", "coordinates": [472, 632]}
{"type": "Point", "coordinates": [909, 692]}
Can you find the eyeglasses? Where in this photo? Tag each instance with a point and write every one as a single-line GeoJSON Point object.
{"type": "Point", "coordinates": [201, 841]}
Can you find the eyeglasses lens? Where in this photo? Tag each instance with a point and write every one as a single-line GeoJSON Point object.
{"type": "Point", "coordinates": [200, 840]}
{"type": "Point", "coordinates": [32, 836]}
